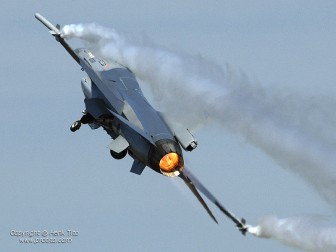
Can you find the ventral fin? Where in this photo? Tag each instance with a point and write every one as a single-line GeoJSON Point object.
{"type": "Point", "coordinates": [137, 167]}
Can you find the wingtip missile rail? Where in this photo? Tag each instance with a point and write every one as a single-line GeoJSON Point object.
{"type": "Point", "coordinates": [47, 24]}
{"type": "Point", "coordinates": [55, 31]}
{"type": "Point", "coordinates": [240, 223]}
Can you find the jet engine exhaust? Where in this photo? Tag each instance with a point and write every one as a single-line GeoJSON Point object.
{"type": "Point", "coordinates": [169, 162]}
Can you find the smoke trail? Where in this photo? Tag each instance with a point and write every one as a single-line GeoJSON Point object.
{"type": "Point", "coordinates": [306, 232]}
{"type": "Point", "coordinates": [297, 132]}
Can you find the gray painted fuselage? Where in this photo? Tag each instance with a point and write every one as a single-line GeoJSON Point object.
{"type": "Point", "coordinates": [114, 101]}
{"type": "Point", "coordinates": [111, 90]}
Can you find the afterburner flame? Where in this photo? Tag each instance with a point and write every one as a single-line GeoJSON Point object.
{"type": "Point", "coordinates": [169, 162]}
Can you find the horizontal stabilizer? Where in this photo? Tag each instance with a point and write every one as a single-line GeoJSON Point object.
{"type": "Point", "coordinates": [240, 223]}
{"type": "Point", "coordinates": [191, 186]}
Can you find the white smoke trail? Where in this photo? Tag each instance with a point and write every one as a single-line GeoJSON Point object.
{"type": "Point", "coordinates": [297, 132]}
{"type": "Point", "coordinates": [310, 233]}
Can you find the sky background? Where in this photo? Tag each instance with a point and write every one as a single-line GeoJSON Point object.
{"type": "Point", "coordinates": [53, 179]}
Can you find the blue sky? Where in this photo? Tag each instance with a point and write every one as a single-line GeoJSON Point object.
{"type": "Point", "coordinates": [52, 179]}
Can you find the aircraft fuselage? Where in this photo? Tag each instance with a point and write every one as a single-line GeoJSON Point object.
{"type": "Point", "coordinates": [111, 89]}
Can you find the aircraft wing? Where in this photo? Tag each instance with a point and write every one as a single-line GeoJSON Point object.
{"type": "Point", "coordinates": [193, 183]}
{"type": "Point", "coordinates": [55, 31]}
{"type": "Point", "coordinates": [131, 126]}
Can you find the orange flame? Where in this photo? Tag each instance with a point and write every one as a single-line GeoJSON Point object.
{"type": "Point", "coordinates": [169, 162]}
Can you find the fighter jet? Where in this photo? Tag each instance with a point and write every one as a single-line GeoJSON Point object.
{"type": "Point", "coordinates": [114, 102]}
